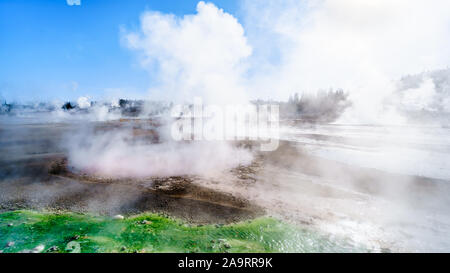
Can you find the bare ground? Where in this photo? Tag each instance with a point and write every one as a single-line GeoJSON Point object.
{"type": "Point", "coordinates": [385, 210]}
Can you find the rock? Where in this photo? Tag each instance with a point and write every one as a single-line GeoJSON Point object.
{"type": "Point", "coordinates": [10, 244]}
{"type": "Point", "coordinates": [76, 237]}
{"type": "Point", "coordinates": [123, 248]}
{"type": "Point", "coordinates": [38, 249]}
{"type": "Point", "coordinates": [10, 224]}
{"type": "Point", "coordinates": [227, 245]}
{"type": "Point", "coordinates": [118, 217]}
{"type": "Point", "coordinates": [145, 222]}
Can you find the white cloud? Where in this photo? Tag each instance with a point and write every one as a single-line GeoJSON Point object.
{"type": "Point", "coordinates": [295, 46]}
{"type": "Point", "coordinates": [360, 46]}
{"type": "Point", "coordinates": [73, 2]}
{"type": "Point", "coordinates": [196, 55]}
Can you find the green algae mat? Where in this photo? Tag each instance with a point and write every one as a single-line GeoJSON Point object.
{"type": "Point", "coordinates": [31, 231]}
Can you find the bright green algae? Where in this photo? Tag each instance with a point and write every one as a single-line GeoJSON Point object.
{"type": "Point", "coordinates": [156, 233]}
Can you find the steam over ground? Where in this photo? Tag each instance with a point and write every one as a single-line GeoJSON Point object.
{"type": "Point", "coordinates": [116, 154]}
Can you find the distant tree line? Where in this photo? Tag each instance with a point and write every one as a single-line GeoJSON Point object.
{"type": "Point", "coordinates": [324, 106]}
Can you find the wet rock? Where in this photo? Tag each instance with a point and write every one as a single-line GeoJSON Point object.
{"type": "Point", "coordinates": [118, 217]}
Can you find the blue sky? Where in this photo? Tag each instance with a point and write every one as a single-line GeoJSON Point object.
{"type": "Point", "coordinates": [51, 50]}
